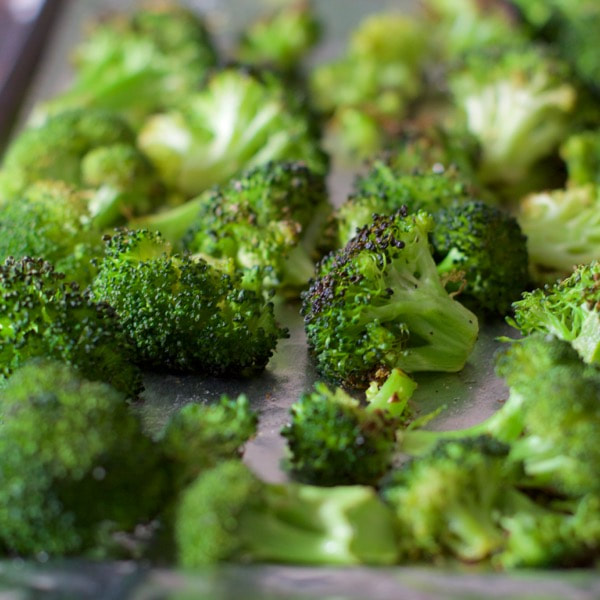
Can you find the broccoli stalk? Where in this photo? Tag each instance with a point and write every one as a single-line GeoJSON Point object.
{"type": "Point", "coordinates": [229, 514]}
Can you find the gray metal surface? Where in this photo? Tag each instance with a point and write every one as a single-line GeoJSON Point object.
{"type": "Point", "coordinates": [469, 397]}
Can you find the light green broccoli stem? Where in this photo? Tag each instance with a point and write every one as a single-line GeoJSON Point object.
{"type": "Point", "coordinates": [298, 268]}
{"type": "Point", "coordinates": [393, 396]}
{"type": "Point", "coordinates": [451, 262]}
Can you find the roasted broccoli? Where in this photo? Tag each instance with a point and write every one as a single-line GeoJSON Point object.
{"type": "Point", "coordinates": [139, 64]}
{"type": "Point", "coordinates": [282, 39]}
{"type": "Point", "coordinates": [51, 220]}
{"type": "Point", "coordinates": [92, 150]}
{"type": "Point", "coordinates": [379, 303]}
{"type": "Point", "coordinates": [581, 152]}
{"type": "Point", "coordinates": [183, 314]}
{"type": "Point", "coordinates": [333, 440]}
{"type": "Point", "coordinates": [75, 463]}
{"type": "Point", "coordinates": [238, 121]}
{"type": "Point", "coordinates": [229, 514]}
{"type": "Point", "coordinates": [272, 217]}
{"type": "Point", "coordinates": [42, 315]}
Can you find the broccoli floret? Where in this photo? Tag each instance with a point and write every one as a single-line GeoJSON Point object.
{"type": "Point", "coordinates": [486, 244]}
{"type": "Point", "coordinates": [385, 190]}
{"type": "Point", "coordinates": [139, 64]}
{"type": "Point", "coordinates": [229, 514]}
{"type": "Point", "coordinates": [75, 463]}
{"type": "Point", "coordinates": [379, 303]}
{"type": "Point", "coordinates": [92, 150]}
{"type": "Point", "coordinates": [282, 39]}
{"type": "Point", "coordinates": [519, 103]}
{"type": "Point", "coordinates": [581, 152]}
{"type": "Point", "coordinates": [562, 229]}
{"type": "Point", "coordinates": [272, 217]}
{"type": "Point", "coordinates": [51, 220]}
{"type": "Point", "coordinates": [568, 310]}
{"type": "Point", "coordinates": [41, 315]}
{"type": "Point", "coordinates": [333, 440]}
{"type": "Point", "coordinates": [447, 502]}
{"type": "Point", "coordinates": [238, 121]}
{"type": "Point", "coordinates": [182, 314]}
{"type": "Point", "coordinates": [199, 436]}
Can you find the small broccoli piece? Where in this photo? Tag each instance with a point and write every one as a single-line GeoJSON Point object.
{"type": "Point", "coordinates": [568, 310]}
{"type": "Point", "coordinates": [74, 463]}
{"type": "Point", "coordinates": [519, 103]}
{"type": "Point", "coordinates": [282, 39]}
{"type": "Point", "coordinates": [183, 314]}
{"type": "Point", "coordinates": [379, 303]}
{"type": "Point", "coordinates": [41, 315]}
{"type": "Point", "coordinates": [238, 121]}
{"type": "Point", "coordinates": [272, 217]}
{"type": "Point", "coordinates": [92, 150]}
{"type": "Point", "coordinates": [51, 220]}
{"type": "Point", "coordinates": [486, 244]}
{"type": "Point", "coordinates": [333, 440]}
{"type": "Point", "coordinates": [581, 152]}
{"type": "Point", "coordinates": [229, 514]}
{"type": "Point", "coordinates": [199, 436]}
{"type": "Point", "coordinates": [468, 25]}
{"type": "Point", "coordinates": [384, 190]}
{"type": "Point", "coordinates": [562, 229]}
{"type": "Point", "coordinates": [139, 64]}
{"type": "Point", "coordinates": [447, 502]}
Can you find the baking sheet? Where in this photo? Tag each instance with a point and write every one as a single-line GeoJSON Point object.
{"type": "Point", "coordinates": [469, 397]}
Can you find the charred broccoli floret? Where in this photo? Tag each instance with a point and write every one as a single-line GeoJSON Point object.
{"type": "Point", "coordinates": [42, 315]}
{"type": "Point", "coordinates": [183, 314]}
{"type": "Point", "coordinates": [75, 463]}
{"type": "Point", "coordinates": [93, 150]}
{"type": "Point", "coordinates": [379, 303]}
{"type": "Point", "coordinates": [229, 514]}
{"type": "Point", "coordinates": [139, 64]}
{"type": "Point", "coordinates": [238, 121]}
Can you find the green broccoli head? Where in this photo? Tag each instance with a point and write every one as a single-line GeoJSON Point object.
{"type": "Point", "coordinates": [379, 303]}
{"type": "Point", "coordinates": [446, 502]}
{"type": "Point", "coordinates": [41, 315]}
{"type": "Point", "coordinates": [281, 39]}
{"type": "Point", "coordinates": [93, 150]}
{"type": "Point", "coordinates": [51, 220]}
{"type": "Point", "coordinates": [486, 244]}
{"type": "Point", "coordinates": [75, 463]}
{"type": "Point", "coordinates": [198, 436]}
{"type": "Point", "coordinates": [138, 64]}
{"type": "Point", "coordinates": [581, 152]}
{"type": "Point", "coordinates": [229, 514]}
{"type": "Point", "coordinates": [519, 104]}
{"type": "Point", "coordinates": [238, 121]}
{"type": "Point", "coordinates": [385, 190]}
{"type": "Point", "coordinates": [183, 314]}
{"type": "Point", "coordinates": [568, 309]}
{"type": "Point", "coordinates": [562, 229]}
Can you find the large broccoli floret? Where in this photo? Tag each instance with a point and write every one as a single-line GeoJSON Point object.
{"type": "Point", "coordinates": [567, 310]}
{"type": "Point", "coordinates": [272, 217]}
{"type": "Point", "coordinates": [41, 315]}
{"type": "Point", "coordinates": [51, 220]}
{"type": "Point", "coordinates": [229, 514]}
{"type": "Point", "coordinates": [486, 244]}
{"type": "Point", "coordinates": [333, 440]}
{"type": "Point", "coordinates": [184, 314]}
{"type": "Point", "coordinates": [199, 436]}
{"type": "Point", "coordinates": [562, 229]}
{"type": "Point", "coordinates": [379, 303]}
{"type": "Point", "coordinates": [519, 103]}
{"type": "Point", "coordinates": [93, 150]}
{"type": "Point", "coordinates": [447, 502]}
{"type": "Point", "coordinates": [281, 39]}
{"type": "Point", "coordinates": [75, 463]}
{"type": "Point", "coordinates": [238, 121]}
{"type": "Point", "coordinates": [138, 64]}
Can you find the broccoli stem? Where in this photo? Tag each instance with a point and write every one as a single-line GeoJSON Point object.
{"type": "Point", "coordinates": [298, 268]}
{"type": "Point", "coordinates": [393, 396]}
